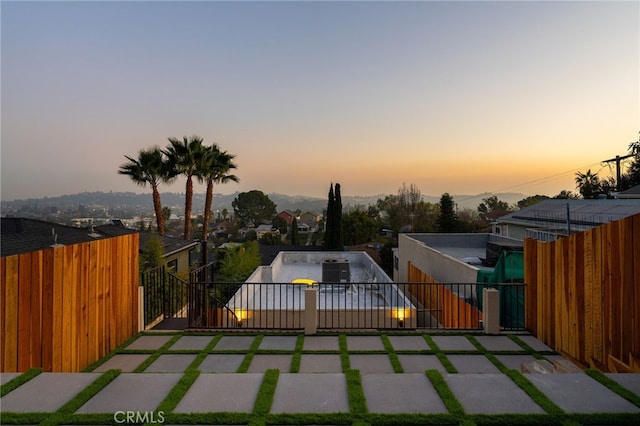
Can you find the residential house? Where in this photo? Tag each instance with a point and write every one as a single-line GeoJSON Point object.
{"type": "Point", "coordinates": [265, 229]}
{"type": "Point", "coordinates": [287, 215]}
{"type": "Point", "coordinates": [308, 222]}
{"type": "Point", "coordinates": [631, 193]}
{"type": "Point", "coordinates": [551, 219]}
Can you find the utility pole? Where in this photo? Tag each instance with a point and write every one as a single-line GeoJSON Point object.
{"type": "Point", "coordinates": [617, 159]}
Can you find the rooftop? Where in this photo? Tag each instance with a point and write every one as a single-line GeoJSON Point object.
{"type": "Point", "coordinates": [322, 379]}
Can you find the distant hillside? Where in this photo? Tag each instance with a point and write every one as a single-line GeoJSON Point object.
{"type": "Point", "coordinates": [175, 201]}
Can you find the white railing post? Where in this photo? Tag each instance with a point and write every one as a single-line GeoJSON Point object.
{"type": "Point", "coordinates": [310, 311]}
{"type": "Point", "coordinates": [491, 310]}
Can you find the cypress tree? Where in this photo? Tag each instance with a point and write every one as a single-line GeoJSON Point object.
{"type": "Point", "coordinates": [337, 220]}
{"type": "Point", "coordinates": [295, 238]}
{"type": "Point", "coordinates": [329, 222]}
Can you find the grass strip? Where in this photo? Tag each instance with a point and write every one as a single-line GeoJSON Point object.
{"type": "Point", "coordinates": [267, 390]}
{"type": "Point", "coordinates": [431, 343]}
{"type": "Point", "coordinates": [19, 380]}
{"type": "Point", "coordinates": [446, 363]}
{"type": "Point", "coordinates": [355, 394]}
{"type": "Point", "coordinates": [297, 355]}
{"type": "Point", "coordinates": [519, 379]}
{"type": "Point", "coordinates": [614, 386]}
{"type": "Point", "coordinates": [445, 394]}
{"type": "Point", "coordinates": [178, 391]}
{"type": "Point", "coordinates": [393, 357]}
{"type": "Point", "coordinates": [525, 346]}
{"type": "Point", "coordinates": [212, 344]}
{"type": "Point", "coordinates": [344, 352]}
{"type": "Point", "coordinates": [164, 348]}
{"type": "Point", "coordinates": [251, 352]}
{"type": "Point", "coordinates": [87, 393]}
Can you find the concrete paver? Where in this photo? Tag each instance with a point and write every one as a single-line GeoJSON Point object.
{"type": "Point", "coordinates": [149, 342]}
{"type": "Point", "coordinates": [286, 343]}
{"type": "Point", "coordinates": [535, 344]}
{"type": "Point", "coordinates": [191, 343]}
{"type": "Point", "coordinates": [453, 343]}
{"type": "Point", "coordinates": [498, 343]}
{"type": "Point", "coordinates": [408, 343]}
{"type": "Point", "coordinates": [262, 363]}
{"type": "Point", "coordinates": [364, 343]}
{"type": "Point", "coordinates": [310, 363]}
{"type": "Point", "coordinates": [371, 363]}
{"type": "Point", "coordinates": [6, 377]}
{"type": "Point", "coordinates": [46, 392]}
{"type": "Point", "coordinates": [221, 363]}
{"type": "Point", "coordinates": [321, 343]}
{"type": "Point", "coordinates": [132, 392]}
{"type": "Point", "coordinates": [472, 364]}
{"type": "Point", "coordinates": [514, 362]}
{"type": "Point", "coordinates": [221, 393]}
{"type": "Point", "coordinates": [490, 394]}
{"type": "Point", "coordinates": [125, 362]}
{"type": "Point", "coordinates": [171, 363]}
{"type": "Point", "coordinates": [420, 363]}
{"type": "Point", "coordinates": [579, 393]}
{"type": "Point", "coordinates": [401, 393]}
{"type": "Point", "coordinates": [314, 393]}
{"type": "Point", "coordinates": [630, 381]}
{"type": "Point", "coordinates": [234, 343]}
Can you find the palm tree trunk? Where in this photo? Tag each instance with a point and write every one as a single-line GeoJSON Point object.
{"type": "Point", "coordinates": [208, 201]}
{"type": "Point", "coordinates": [157, 206]}
{"type": "Point", "coordinates": [187, 208]}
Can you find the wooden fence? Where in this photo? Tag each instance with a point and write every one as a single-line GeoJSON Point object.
{"type": "Point", "coordinates": [583, 295]}
{"type": "Point", "coordinates": [449, 310]}
{"type": "Point", "coordinates": [64, 308]}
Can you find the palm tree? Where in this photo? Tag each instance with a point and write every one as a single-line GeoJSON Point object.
{"type": "Point", "coordinates": [185, 157]}
{"type": "Point", "coordinates": [150, 168]}
{"type": "Point", "coordinates": [588, 184]}
{"type": "Point", "coordinates": [215, 169]}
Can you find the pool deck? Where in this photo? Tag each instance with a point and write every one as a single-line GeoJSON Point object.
{"type": "Point", "coordinates": [344, 377]}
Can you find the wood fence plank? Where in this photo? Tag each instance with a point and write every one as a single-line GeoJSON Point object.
{"type": "Point", "coordinates": [82, 307]}
{"type": "Point", "coordinates": [58, 309]}
{"type": "Point", "coordinates": [598, 297]}
{"type": "Point", "coordinates": [3, 289]}
{"type": "Point", "coordinates": [35, 348]}
{"type": "Point", "coordinates": [10, 296]}
{"type": "Point", "coordinates": [588, 317]}
{"type": "Point", "coordinates": [47, 310]}
{"type": "Point", "coordinates": [24, 311]}
{"type": "Point", "coordinates": [627, 289]}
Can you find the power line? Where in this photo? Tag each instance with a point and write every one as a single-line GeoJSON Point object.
{"type": "Point", "coordinates": [541, 180]}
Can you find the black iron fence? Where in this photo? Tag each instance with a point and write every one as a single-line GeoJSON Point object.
{"type": "Point", "coordinates": [165, 295]}
{"type": "Point", "coordinates": [281, 306]}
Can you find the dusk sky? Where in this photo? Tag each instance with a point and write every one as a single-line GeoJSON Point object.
{"type": "Point", "coordinates": [458, 97]}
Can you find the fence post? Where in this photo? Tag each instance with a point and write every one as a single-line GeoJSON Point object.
{"type": "Point", "coordinates": [491, 310]}
{"type": "Point", "coordinates": [310, 311]}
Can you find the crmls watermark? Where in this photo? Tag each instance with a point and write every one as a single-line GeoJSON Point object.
{"type": "Point", "coordinates": [138, 417]}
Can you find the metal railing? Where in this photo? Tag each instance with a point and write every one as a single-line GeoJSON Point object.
{"type": "Point", "coordinates": [165, 295]}
{"type": "Point", "coordinates": [358, 306]}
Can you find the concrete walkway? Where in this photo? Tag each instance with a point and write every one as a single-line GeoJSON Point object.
{"type": "Point", "coordinates": [313, 377]}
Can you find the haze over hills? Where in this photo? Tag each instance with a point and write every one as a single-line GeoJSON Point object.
{"type": "Point", "coordinates": [175, 201]}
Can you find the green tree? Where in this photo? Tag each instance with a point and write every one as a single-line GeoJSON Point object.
{"type": "Point", "coordinates": [565, 195]}
{"type": "Point", "coordinates": [447, 219]}
{"type": "Point", "coordinates": [153, 169]}
{"type": "Point", "coordinates": [529, 201]}
{"type": "Point", "coordinates": [588, 184]}
{"type": "Point", "coordinates": [280, 224]}
{"type": "Point", "coordinates": [236, 264]}
{"type": "Point", "coordinates": [295, 237]}
{"type": "Point", "coordinates": [253, 207]}
{"type": "Point", "coordinates": [185, 156]}
{"type": "Point", "coordinates": [215, 169]}
{"type": "Point", "coordinates": [492, 208]}
{"type": "Point", "coordinates": [152, 254]}
{"type": "Point", "coordinates": [359, 227]}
